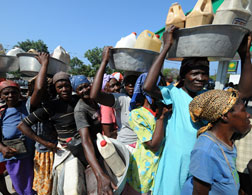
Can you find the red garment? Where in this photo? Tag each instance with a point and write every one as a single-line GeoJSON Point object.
{"type": "Point", "coordinates": [107, 115]}
{"type": "Point", "coordinates": [2, 167]}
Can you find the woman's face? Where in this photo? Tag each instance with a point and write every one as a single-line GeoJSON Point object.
{"type": "Point", "coordinates": [83, 90]}
{"type": "Point", "coordinates": [195, 80]}
{"type": "Point", "coordinates": [239, 118]}
{"type": "Point", "coordinates": [129, 83]}
{"type": "Point", "coordinates": [113, 86]}
{"type": "Point", "coordinates": [64, 89]}
{"type": "Point", "coordinates": [10, 95]}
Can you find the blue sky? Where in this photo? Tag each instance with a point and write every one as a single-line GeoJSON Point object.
{"type": "Point", "coordinates": [79, 25]}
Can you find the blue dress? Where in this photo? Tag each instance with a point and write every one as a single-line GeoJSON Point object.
{"type": "Point", "coordinates": [209, 165]}
{"type": "Point", "coordinates": [11, 118]}
{"type": "Point", "coordinates": [180, 137]}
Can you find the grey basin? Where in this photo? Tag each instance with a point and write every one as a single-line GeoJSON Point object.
{"type": "Point", "coordinates": [130, 59]}
{"type": "Point", "coordinates": [119, 181]}
{"type": "Point", "coordinates": [218, 42]}
{"type": "Point", "coordinates": [125, 155]}
{"type": "Point", "coordinates": [30, 66]}
{"type": "Point", "coordinates": [8, 64]}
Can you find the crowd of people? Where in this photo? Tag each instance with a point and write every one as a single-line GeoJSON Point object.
{"type": "Point", "coordinates": [181, 137]}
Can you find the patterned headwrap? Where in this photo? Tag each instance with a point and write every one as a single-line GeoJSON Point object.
{"type": "Point", "coordinates": [8, 83]}
{"type": "Point", "coordinates": [78, 80]}
{"type": "Point", "coordinates": [106, 78]}
{"type": "Point", "coordinates": [118, 76]}
{"type": "Point", "coordinates": [191, 63]}
{"type": "Point", "coordinates": [139, 94]}
{"type": "Point", "coordinates": [212, 105]}
{"type": "Point", "coordinates": [60, 76]}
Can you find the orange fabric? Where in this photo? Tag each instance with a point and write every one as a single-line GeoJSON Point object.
{"type": "Point", "coordinates": [43, 164]}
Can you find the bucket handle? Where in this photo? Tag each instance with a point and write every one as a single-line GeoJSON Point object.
{"type": "Point", "coordinates": [177, 8]}
{"type": "Point", "coordinates": [205, 5]}
{"type": "Point", "coordinates": [249, 5]}
{"type": "Point", "coordinates": [147, 32]}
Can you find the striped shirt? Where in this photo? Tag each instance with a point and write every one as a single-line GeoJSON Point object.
{"type": "Point", "coordinates": [61, 113]}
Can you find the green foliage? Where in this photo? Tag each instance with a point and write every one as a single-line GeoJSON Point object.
{"type": "Point", "coordinates": [78, 67]}
{"type": "Point", "coordinates": [16, 74]}
{"type": "Point", "coordinates": [213, 77]}
{"type": "Point", "coordinates": [173, 72]}
{"type": "Point", "coordinates": [39, 45]}
{"type": "Point", "coordinates": [94, 56]}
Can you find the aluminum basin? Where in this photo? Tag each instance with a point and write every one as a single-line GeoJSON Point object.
{"type": "Point", "coordinates": [30, 66]}
{"type": "Point", "coordinates": [8, 64]}
{"type": "Point", "coordinates": [214, 41]}
{"type": "Point", "coordinates": [119, 181]}
{"type": "Point", "coordinates": [130, 59]}
{"type": "Point", "coordinates": [125, 155]}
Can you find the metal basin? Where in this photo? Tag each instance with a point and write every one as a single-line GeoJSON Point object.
{"type": "Point", "coordinates": [8, 64]}
{"type": "Point", "coordinates": [214, 41]}
{"type": "Point", "coordinates": [124, 154]}
{"type": "Point", "coordinates": [119, 181]}
{"type": "Point", "coordinates": [130, 59]}
{"type": "Point", "coordinates": [30, 66]}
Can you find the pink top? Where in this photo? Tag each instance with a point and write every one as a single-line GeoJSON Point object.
{"type": "Point", "coordinates": [107, 115]}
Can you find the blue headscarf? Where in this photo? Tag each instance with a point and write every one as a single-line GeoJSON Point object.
{"type": "Point", "coordinates": [77, 80]}
{"type": "Point", "coordinates": [139, 94]}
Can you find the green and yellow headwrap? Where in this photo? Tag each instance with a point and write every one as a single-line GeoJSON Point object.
{"type": "Point", "coordinates": [212, 105]}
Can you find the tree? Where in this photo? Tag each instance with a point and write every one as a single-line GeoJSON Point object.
{"type": "Point", "coordinates": [39, 45]}
{"type": "Point", "coordinates": [173, 72]}
{"type": "Point", "coordinates": [78, 67]}
{"type": "Point", "coordinates": [94, 56]}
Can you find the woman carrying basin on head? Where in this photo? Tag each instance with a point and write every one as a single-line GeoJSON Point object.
{"type": "Point", "coordinates": [61, 113]}
{"type": "Point", "coordinates": [180, 135]}
{"type": "Point", "coordinates": [119, 101]}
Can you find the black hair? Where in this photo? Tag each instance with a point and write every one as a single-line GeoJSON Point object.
{"type": "Point", "coordinates": [192, 63]}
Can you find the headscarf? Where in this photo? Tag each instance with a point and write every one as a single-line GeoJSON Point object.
{"type": "Point", "coordinates": [191, 63]}
{"type": "Point", "coordinates": [8, 83]}
{"type": "Point", "coordinates": [211, 106]}
{"type": "Point", "coordinates": [60, 76]}
{"type": "Point", "coordinates": [78, 80]}
{"type": "Point", "coordinates": [118, 76]}
{"type": "Point", "coordinates": [106, 78]}
{"type": "Point", "coordinates": [139, 94]}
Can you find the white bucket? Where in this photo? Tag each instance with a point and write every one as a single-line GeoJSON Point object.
{"type": "Point", "coordinates": [74, 172]}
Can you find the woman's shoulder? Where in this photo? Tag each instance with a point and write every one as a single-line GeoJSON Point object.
{"type": "Point", "coordinates": [138, 111]}
{"type": "Point", "coordinates": [205, 143]}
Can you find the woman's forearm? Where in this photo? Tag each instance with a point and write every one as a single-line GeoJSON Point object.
{"type": "Point", "coordinates": [97, 84]}
{"type": "Point", "coordinates": [89, 152]}
{"type": "Point", "coordinates": [157, 136]}
{"type": "Point", "coordinates": [27, 131]}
